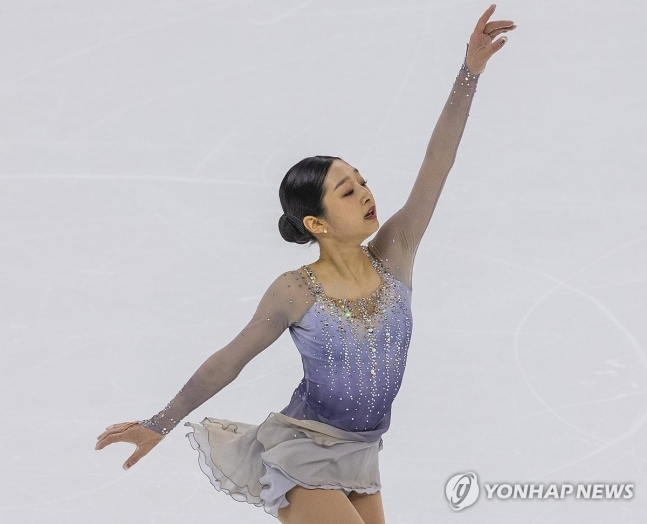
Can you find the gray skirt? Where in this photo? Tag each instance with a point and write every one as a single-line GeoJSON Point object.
{"type": "Point", "coordinates": [259, 464]}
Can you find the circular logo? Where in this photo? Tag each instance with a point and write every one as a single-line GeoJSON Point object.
{"type": "Point", "coordinates": [462, 490]}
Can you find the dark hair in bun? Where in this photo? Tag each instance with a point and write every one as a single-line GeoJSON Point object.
{"type": "Point", "coordinates": [301, 194]}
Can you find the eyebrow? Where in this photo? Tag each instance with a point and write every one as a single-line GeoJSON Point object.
{"type": "Point", "coordinates": [344, 180]}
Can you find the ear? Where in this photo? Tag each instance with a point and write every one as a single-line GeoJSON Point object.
{"type": "Point", "coordinates": [314, 225]}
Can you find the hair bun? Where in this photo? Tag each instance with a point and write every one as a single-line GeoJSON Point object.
{"type": "Point", "coordinates": [294, 221]}
{"type": "Point", "coordinates": [293, 230]}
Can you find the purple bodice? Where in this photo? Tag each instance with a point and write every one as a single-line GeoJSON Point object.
{"type": "Point", "coordinates": [354, 354]}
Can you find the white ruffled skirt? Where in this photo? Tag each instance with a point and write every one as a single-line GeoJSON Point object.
{"type": "Point", "coordinates": [259, 464]}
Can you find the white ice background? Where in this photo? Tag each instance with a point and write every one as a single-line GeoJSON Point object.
{"type": "Point", "coordinates": [142, 145]}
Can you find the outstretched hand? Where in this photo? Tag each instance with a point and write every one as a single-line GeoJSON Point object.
{"type": "Point", "coordinates": [481, 47]}
{"type": "Point", "coordinates": [145, 439]}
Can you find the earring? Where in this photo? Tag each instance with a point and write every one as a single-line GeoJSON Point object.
{"type": "Point", "coordinates": [325, 231]}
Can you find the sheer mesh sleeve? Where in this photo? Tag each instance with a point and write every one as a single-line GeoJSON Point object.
{"type": "Point", "coordinates": [397, 240]}
{"type": "Point", "coordinates": [285, 302]}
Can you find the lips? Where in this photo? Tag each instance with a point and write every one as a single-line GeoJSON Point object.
{"type": "Point", "coordinates": [371, 212]}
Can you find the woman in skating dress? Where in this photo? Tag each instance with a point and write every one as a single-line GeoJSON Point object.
{"type": "Point", "coordinates": [349, 314]}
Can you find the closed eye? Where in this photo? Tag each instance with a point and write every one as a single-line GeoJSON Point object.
{"type": "Point", "coordinates": [352, 190]}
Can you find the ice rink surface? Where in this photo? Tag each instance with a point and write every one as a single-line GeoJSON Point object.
{"type": "Point", "coordinates": [142, 145]}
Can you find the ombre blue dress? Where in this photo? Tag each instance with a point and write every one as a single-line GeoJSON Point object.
{"type": "Point", "coordinates": [354, 355]}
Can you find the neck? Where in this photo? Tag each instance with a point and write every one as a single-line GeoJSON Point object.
{"type": "Point", "coordinates": [348, 262]}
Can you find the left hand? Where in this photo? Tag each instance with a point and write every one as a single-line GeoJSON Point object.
{"type": "Point", "coordinates": [481, 47]}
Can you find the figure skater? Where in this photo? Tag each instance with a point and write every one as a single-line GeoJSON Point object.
{"type": "Point", "coordinates": [349, 314]}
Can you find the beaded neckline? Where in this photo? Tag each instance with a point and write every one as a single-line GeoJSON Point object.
{"type": "Point", "coordinates": [347, 304]}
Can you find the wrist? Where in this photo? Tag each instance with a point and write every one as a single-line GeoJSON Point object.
{"type": "Point", "coordinates": [467, 76]}
{"type": "Point", "coordinates": [471, 70]}
{"type": "Point", "coordinates": [150, 424]}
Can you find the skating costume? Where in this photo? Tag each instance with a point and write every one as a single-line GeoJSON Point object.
{"type": "Point", "coordinates": [354, 354]}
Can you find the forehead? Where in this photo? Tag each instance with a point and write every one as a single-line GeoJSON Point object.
{"type": "Point", "coordinates": [338, 171]}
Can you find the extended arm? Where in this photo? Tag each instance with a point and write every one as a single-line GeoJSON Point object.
{"type": "Point", "coordinates": [282, 304]}
{"type": "Point", "coordinates": [219, 370]}
{"type": "Point", "coordinates": [273, 316]}
{"type": "Point", "coordinates": [398, 239]}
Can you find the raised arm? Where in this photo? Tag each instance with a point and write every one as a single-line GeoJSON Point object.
{"type": "Point", "coordinates": [279, 307]}
{"type": "Point", "coordinates": [398, 239]}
